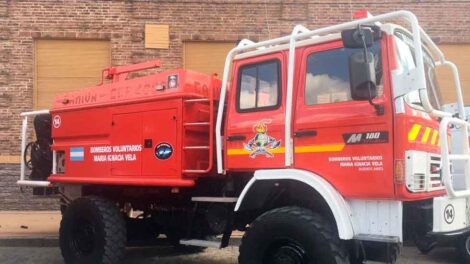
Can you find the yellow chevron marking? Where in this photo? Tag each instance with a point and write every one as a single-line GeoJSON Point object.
{"type": "Point", "coordinates": [414, 131]}
{"type": "Point", "coordinates": [425, 137]}
{"type": "Point", "coordinates": [299, 149]}
{"type": "Point", "coordinates": [434, 137]}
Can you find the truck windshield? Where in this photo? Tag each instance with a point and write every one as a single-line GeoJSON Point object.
{"type": "Point", "coordinates": [406, 61]}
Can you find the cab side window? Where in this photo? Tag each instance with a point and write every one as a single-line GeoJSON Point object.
{"type": "Point", "coordinates": [327, 77]}
{"type": "Point", "coordinates": [259, 86]}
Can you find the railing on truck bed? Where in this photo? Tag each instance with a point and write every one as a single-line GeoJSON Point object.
{"type": "Point", "coordinates": [24, 137]}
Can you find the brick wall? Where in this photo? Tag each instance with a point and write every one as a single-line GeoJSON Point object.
{"type": "Point", "coordinates": [14, 198]}
{"type": "Point", "coordinates": [122, 22]}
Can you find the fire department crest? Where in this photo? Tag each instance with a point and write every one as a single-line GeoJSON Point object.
{"type": "Point", "coordinates": [262, 143]}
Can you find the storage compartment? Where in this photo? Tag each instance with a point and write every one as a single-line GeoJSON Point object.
{"type": "Point", "coordinates": [140, 135]}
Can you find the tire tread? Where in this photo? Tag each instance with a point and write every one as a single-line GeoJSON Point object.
{"type": "Point", "coordinates": [306, 216]}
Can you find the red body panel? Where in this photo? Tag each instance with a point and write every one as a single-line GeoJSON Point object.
{"type": "Point", "coordinates": [110, 134]}
{"type": "Point", "coordinates": [242, 124]}
{"type": "Point", "coordinates": [115, 133]}
{"type": "Point", "coordinates": [324, 153]}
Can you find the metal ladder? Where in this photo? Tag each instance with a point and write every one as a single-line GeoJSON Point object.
{"type": "Point", "coordinates": [210, 124]}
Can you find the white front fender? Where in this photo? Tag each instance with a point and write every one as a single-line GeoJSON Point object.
{"type": "Point", "coordinates": [338, 206]}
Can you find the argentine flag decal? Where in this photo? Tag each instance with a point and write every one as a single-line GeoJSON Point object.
{"type": "Point", "coordinates": [77, 154]}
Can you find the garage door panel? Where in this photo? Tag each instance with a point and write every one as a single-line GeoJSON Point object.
{"type": "Point", "coordinates": [67, 65]}
{"type": "Point", "coordinates": [206, 57]}
{"type": "Point", "coordinates": [55, 44]}
{"type": "Point", "coordinates": [54, 86]}
{"type": "Point", "coordinates": [460, 55]}
{"type": "Point", "coordinates": [63, 68]}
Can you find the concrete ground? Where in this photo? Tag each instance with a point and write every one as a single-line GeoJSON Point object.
{"type": "Point", "coordinates": [165, 255]}
{"type": "Point", "coordinates": [29, 223]}
{"type": "Point", "coordinates": [31, 237]}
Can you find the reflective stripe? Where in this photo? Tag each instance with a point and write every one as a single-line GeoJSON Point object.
{"type": "Point", "coordinates": [425, 137]}
{"type": "Point", "coordinates": [241, 151]}
{"type": "Point", "coordinates": [413, 134]}
{"type": "Point", "coordinates": [299, 149]}
{"type": "Point", "coordinates": [319, 148]}
{"type": "Point", "coordinates": [434, 137]}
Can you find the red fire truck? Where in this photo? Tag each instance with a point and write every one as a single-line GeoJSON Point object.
{"type": "Point", "coordinates": [324, 146]}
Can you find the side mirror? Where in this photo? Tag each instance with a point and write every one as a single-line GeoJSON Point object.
{"type": "Point", "coordinates": [362, 76]}
{"type": "Point", "coordinates": [352, 38]}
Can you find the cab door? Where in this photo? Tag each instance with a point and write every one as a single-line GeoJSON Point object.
{"type": "Point", "coordinates": [254, 126]}
{"type": "Point", "coordinates": [345, 141]}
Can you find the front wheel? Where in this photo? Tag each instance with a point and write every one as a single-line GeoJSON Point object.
{"type": "Point", "coordinates": [291, 235]}
{"type": "Point", "coordinates": [463, 247]}
{"type": "Point", "coordinates": [92, 230]}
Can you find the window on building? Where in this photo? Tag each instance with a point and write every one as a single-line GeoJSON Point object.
{"type": "Point", "coordinates": [327, 78]}
{"type": "Point", "coordinates": [259, 86]}
{"type": "Point", "coordinates": [157, 36]}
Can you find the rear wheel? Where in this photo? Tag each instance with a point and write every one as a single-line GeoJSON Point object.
{"type": "Point", "coordinates": [291, 235]}
{"type": "Point", "coordinates": [92, 230]}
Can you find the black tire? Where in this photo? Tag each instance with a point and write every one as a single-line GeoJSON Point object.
{"type": "Point", "coordinates": [425, 244]}
{"type": "Point", "coordinates": [463, 247]}
{"type": "Point", "coordinates": [291, 235]}
{"type": "Point", "coordinates": [92, 230]}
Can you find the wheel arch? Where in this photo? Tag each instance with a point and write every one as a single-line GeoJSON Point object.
{"type": "Point", "coordinates": [257, 192]}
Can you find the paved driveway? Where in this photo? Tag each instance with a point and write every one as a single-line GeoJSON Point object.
{"type": "Point", "coordinates": [165, 255]}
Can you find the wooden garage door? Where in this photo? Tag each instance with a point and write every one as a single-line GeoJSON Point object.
{"type": "Point", "coordinates": [67, 65]}
{"type": "Point", "coordinates": [460, 55]}
{"type": "Point", "coordinates": [206, 57]}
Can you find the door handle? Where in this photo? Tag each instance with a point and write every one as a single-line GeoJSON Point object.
{"type": "Point", "coordinates": [305, 133]}
{"type": "Point", "coordinates": [148, 143]}
{"type": "Point", "coordinates": [236, 137]}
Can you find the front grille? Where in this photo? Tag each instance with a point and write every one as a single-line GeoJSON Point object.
{"type": "Point", "coordinates": [435, 179]}
{"type": "Point", "coordinates": [423, 171]}
{"type": "Point", "coordinates": [419, 182]}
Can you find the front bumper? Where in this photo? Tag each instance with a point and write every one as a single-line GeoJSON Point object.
{"type": "Point", "coordinates": [450, 215]}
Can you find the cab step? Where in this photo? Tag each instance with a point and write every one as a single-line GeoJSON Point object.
{"type": "Point", "coordinates": [203, 199]}
{"type": "Point", "coordinates": [196, 147]}
{"type": "Point", "coordinates": [194, 171]}
{"type": "Point", "coordinates": [201, 243]}
{"type": "Point", "coordinates": [197, 124]}
{"type": "Point", "coordinates": [196, 100]}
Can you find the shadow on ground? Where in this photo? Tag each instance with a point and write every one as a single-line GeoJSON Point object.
{"type": "Point", "coordinates": [167, 255]}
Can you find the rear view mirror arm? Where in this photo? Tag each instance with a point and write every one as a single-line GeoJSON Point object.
{"type": "Point", "coordinates": [379, 108]}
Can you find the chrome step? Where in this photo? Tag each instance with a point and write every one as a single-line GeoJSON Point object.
{"type": "Point", "coordinates": [201, 243]}
{"type": "Point", "coordinates": [196, 147]}
{"type": "Point", "coordinates": [194, 171]}
{"type": "Point", "coordinates": [196, 100]}
{"type": "Point", "coordinates": [215, 199]}
{"type": "Point", "coordinates": [197, 124]}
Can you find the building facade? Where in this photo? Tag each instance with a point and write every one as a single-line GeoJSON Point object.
{"type": "Point", "coordinates": [51, 46]}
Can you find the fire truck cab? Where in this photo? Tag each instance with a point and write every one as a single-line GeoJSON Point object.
{"type": "Point", "coordinates": [324, 146]}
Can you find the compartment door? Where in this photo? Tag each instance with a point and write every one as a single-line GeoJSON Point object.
{"type": "Point", "coordinates": [161, 155]}
{"type": "Point", "coordinates": [126, 145]}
